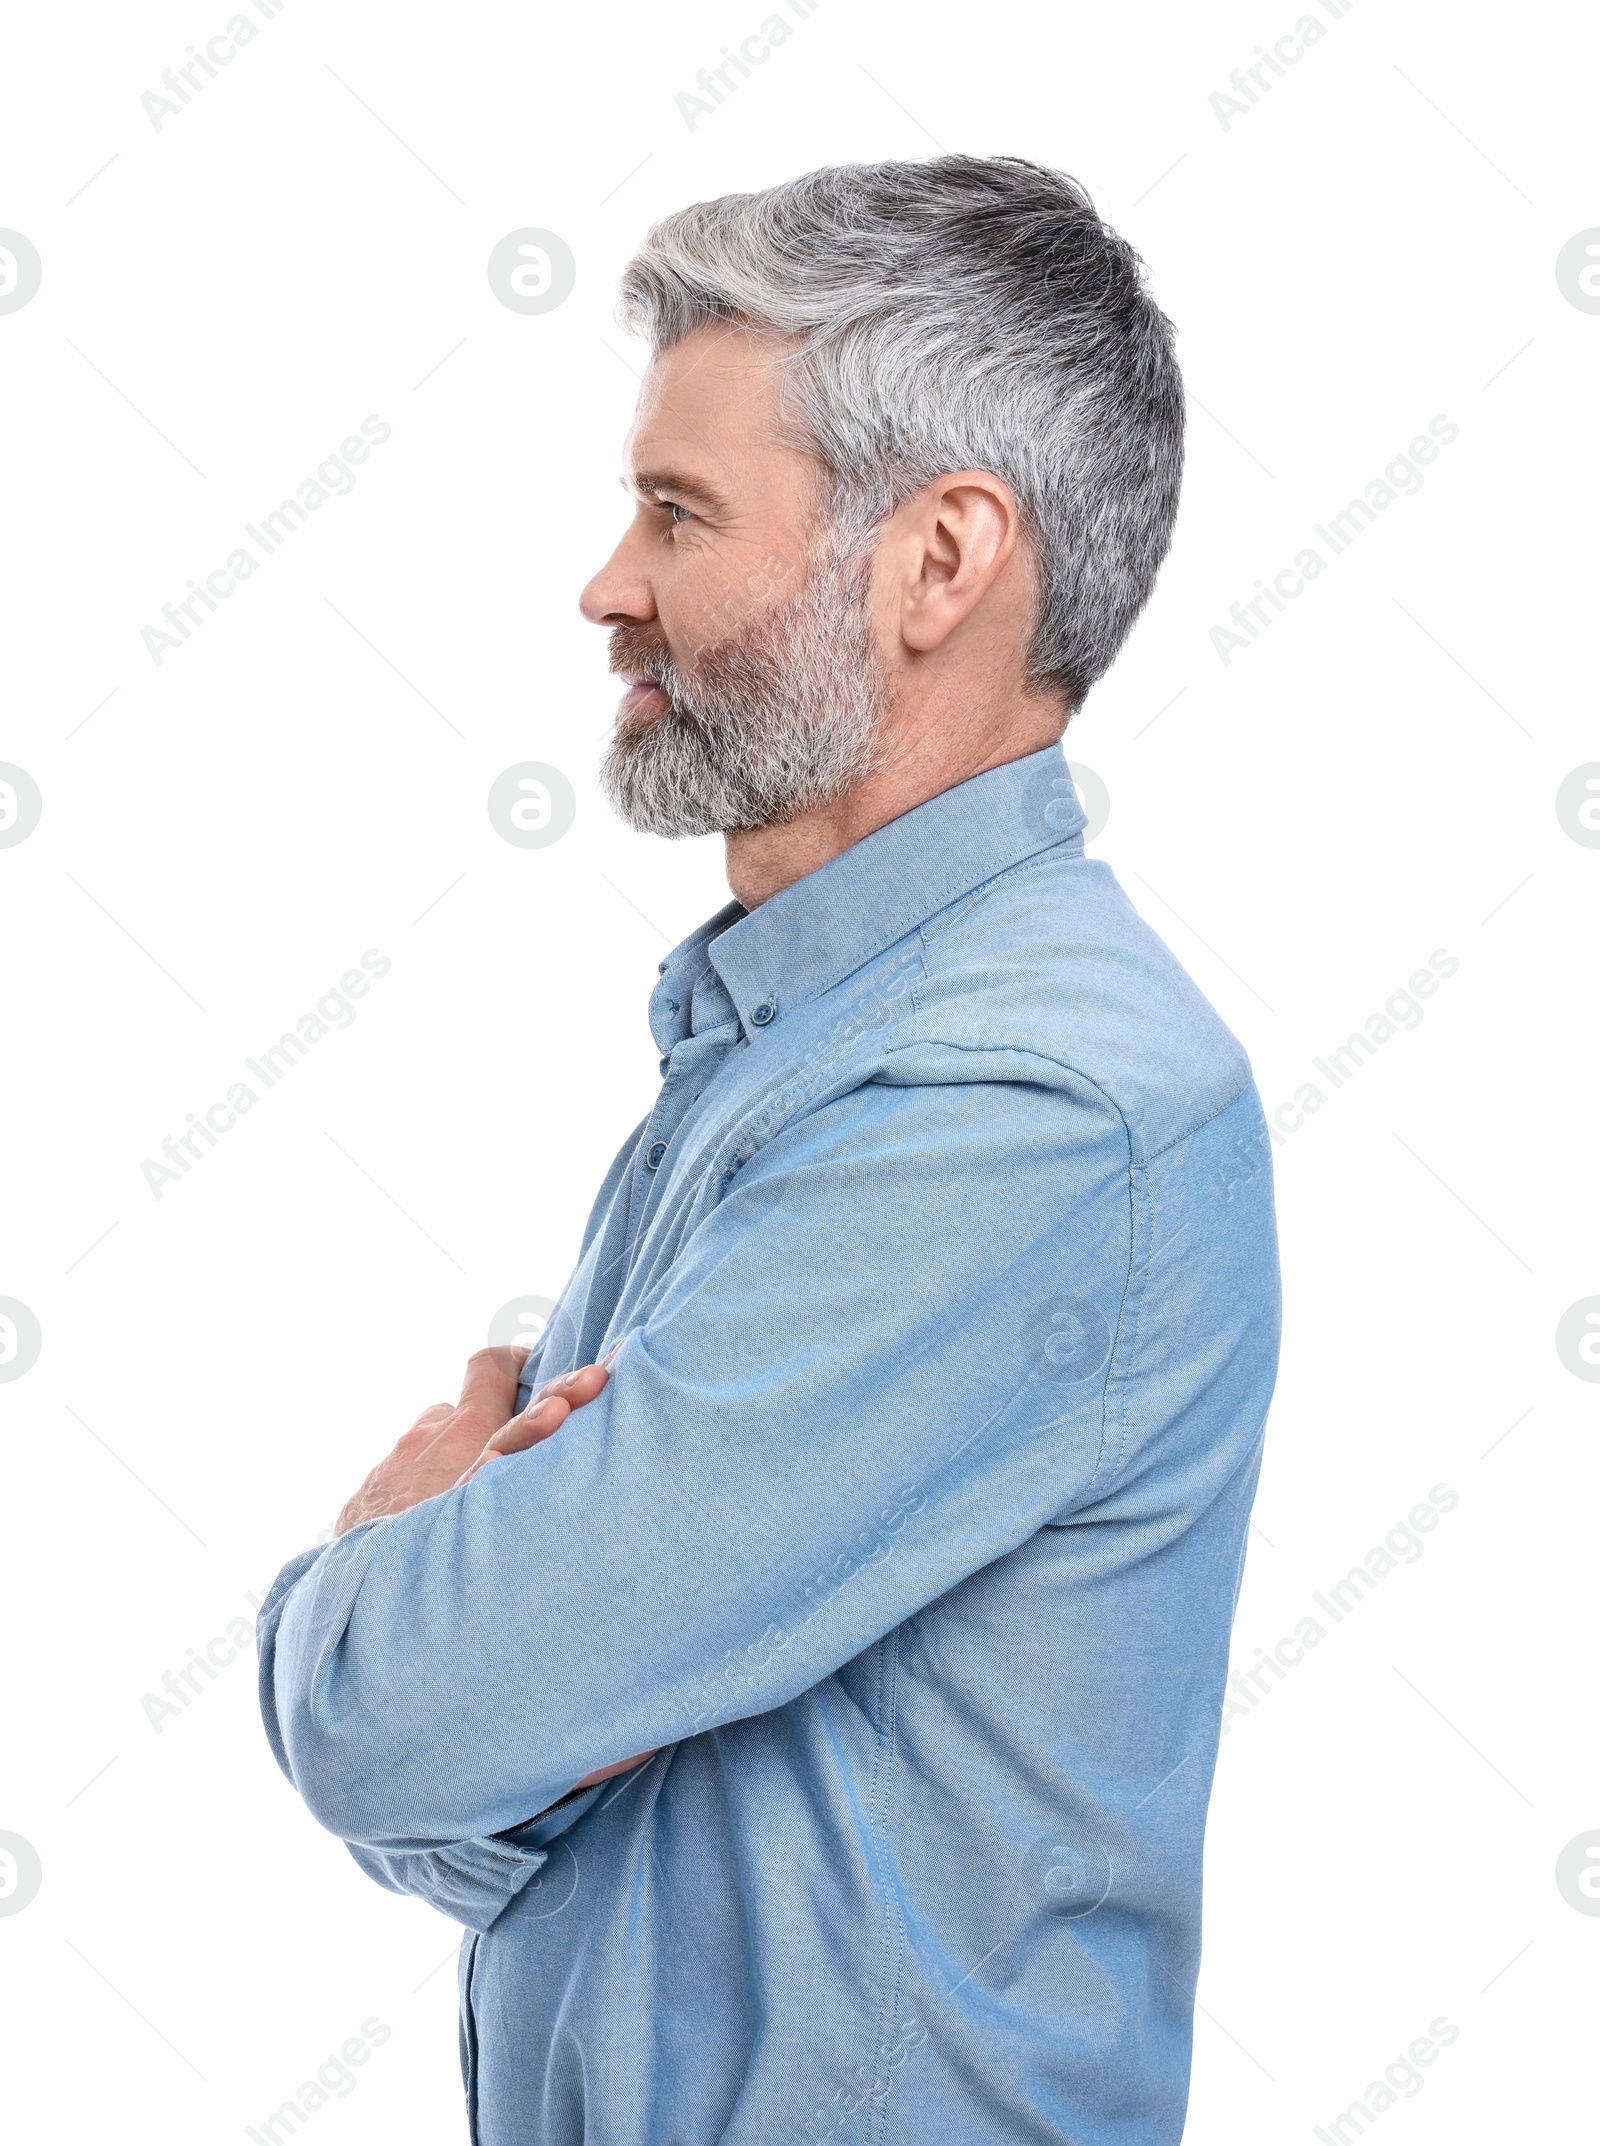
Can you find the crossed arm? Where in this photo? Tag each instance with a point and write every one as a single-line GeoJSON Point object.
{"type": "Point", "coordinates": [451, 1441]}
{"type": "Point", "coordinates": [832, 1409]}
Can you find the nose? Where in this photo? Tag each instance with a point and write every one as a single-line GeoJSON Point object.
{"type": "Point", "coordinates": [620, 594]}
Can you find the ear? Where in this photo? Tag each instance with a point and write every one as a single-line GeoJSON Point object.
{"type": "Point", "coordinates": [960, 533]}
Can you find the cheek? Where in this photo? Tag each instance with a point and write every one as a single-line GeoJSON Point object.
{"type": "Point", "coordinates": [698, 612]}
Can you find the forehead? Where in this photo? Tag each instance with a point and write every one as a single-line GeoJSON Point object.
{"type": "Point", "coordinates": [708, 406]}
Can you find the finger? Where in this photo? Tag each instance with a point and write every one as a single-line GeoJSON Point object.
{"type": "Point", "coordinates": [564, 1394]}
{"type": "Point", "coordinates": [489, 1390]}
{"type": "Point", "coordinates": [543, 1416]}
{"type": "Point", "coordinates": [541, 1419]}
{"type": "Point", "coordinates": [574, 1387]}
{"type": "Point", "coordinates": [462, 1434]}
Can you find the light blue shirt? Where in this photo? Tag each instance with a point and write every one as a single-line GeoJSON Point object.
{"type": "Point", "coordinates": [909, 1528]}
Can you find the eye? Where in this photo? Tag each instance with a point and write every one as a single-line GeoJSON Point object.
{"type": "Point", "coordinates": [679, 513]}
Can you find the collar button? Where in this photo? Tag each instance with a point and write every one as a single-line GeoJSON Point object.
{"type": "Point", "coordinates": [762, 1014]}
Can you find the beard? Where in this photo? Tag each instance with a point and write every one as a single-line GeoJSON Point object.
{"type": "Point", "coordinates": [784, 714]}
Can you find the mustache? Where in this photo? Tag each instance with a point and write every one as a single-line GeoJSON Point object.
{"type": "Point", "coordinates": [635, 652]}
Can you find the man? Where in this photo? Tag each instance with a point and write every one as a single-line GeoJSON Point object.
{"type": "Point", "coordinates": [808, 1697]}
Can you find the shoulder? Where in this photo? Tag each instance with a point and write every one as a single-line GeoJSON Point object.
{"type": "Point", "coordinates": [1051, 962]}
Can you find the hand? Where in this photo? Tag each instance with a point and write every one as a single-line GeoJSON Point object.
{"type": "Point", "coordinates": [449, 1443]}
{"type": "Point", "coordinates": [545, 1413]}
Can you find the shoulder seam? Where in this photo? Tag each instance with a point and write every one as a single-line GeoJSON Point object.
{"type": "Point", "coordinates": [1065, 1065]}
{"type": "Point", "coordinates": [1178, 1139]}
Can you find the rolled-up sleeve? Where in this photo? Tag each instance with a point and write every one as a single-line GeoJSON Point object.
{"type": "Point", "coordinates": [473, 1881]}
{"type": "Point", "coordinates": [879, 1363]}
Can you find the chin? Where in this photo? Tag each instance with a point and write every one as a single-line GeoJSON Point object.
{"type": "Point", "coordinates": [630, 728]}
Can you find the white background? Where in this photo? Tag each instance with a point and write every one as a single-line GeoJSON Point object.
{"type": "Point", "coordinates": [1371, 246]}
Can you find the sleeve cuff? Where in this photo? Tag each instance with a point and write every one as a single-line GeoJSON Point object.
{"type": "Point", "coordinates": [554, 1819]}
{"type": "Point", "coordinates": [475, 1881]}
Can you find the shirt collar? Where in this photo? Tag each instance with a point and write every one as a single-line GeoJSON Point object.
{"type": "Point", "coordinates": [818, 930]}
{"type": "Point", "coordinates": [673, 1002]}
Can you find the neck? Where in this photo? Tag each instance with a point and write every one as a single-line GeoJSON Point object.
{"type": "Point", "coordinates": [919, 764]}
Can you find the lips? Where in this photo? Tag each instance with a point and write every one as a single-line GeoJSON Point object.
{"type": "Point", "coordinates": [644, 697]}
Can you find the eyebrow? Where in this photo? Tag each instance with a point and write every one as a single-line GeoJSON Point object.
{"type": "Point", "coordinates": [647, 484]}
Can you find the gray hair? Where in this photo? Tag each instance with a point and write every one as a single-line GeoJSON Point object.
{"type": "Point", "coordinates": [963, 313]}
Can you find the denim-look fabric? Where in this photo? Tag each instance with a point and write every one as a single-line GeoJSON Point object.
{"type": "Point", "coordinates": [909, 1528]}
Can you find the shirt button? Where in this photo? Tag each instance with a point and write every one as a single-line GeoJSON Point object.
{"type": "Point", "coordinates": [762, 1014]}
{"type": "Point", "coordinates": [652, 1160]}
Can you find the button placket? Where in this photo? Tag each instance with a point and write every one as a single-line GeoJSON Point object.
{"type": "Point", "coordinates": [690, 1063]}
